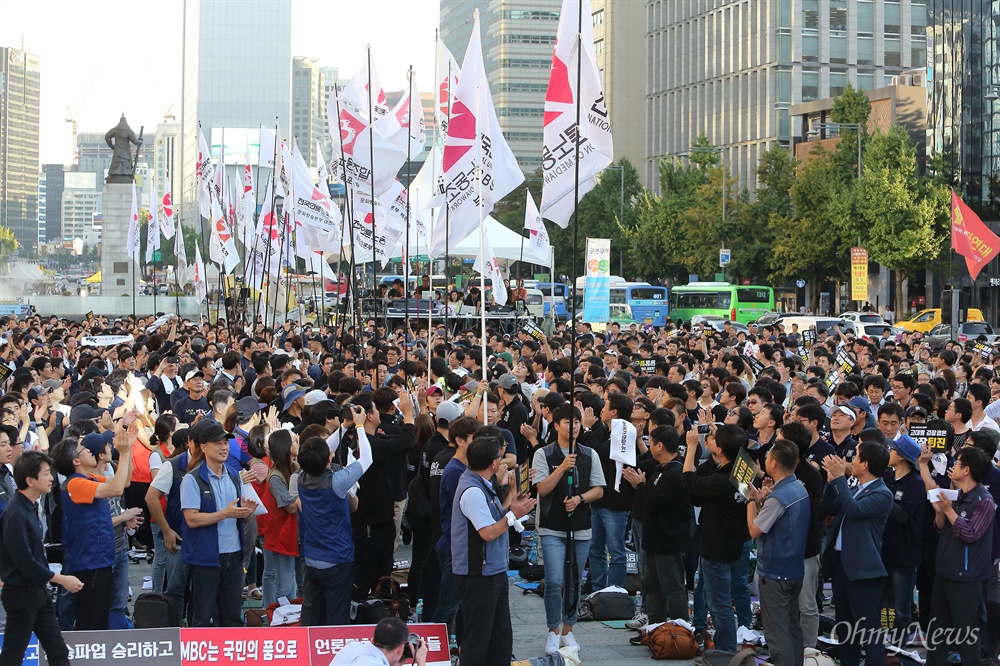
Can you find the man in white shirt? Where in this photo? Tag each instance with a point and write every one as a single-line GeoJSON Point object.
{"type": "Point", "coordinates": [389, 646]}
{"type": "Point", "coordinates": [979, 396]}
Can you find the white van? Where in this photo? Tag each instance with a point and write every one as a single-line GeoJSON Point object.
{"type": "Point", "coordinates": [535, 302]}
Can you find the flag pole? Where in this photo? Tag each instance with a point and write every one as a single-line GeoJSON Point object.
{"type": "Point", "coordinates": [482, 252]}
{"type": "Point", "coordinates": [352, 282]}
{"type": "Point", "coordinates": [447, 233]}
{"type": "Point", "coordinates": [409, 184]}
{"type": "Point", "coordinates": [371, 160]}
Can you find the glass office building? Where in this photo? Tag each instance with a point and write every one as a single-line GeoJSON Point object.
{"type": "Point", "coordinates": [20, 87]}
{"type": "Point", "coordinates": [237, 73]}
{"type": "Point", "coordinates": [731, 68]}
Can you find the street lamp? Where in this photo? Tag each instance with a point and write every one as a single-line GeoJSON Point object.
{"type": "Point", "coordinates": [705, 150]}
{"type": "Point", "coordinates": [818, 127]}
{"type": "Point", "coordinates": [993, 95]}
{"type": "Point", "coordinates": [621, 209]}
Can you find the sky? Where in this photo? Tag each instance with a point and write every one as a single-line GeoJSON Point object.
{"type": "Point", "coordinates": [87, 46]}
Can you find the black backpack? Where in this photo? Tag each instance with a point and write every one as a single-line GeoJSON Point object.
{"type": "Point", "coordinates": [367, 612]}
{"type": "Point", "coordinates": [155, 611]}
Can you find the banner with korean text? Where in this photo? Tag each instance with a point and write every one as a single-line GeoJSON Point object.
{"type": "Point", "coordinates": [859, 274]}
{"type": "Point", "coordinates": [597, 294]}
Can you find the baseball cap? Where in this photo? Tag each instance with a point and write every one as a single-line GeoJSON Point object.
{"type": "Point", "coordinates": [246, 408]}
{"type": "Point", "coordinates": [194, 373]}
{"type": "Point", "coordinates": [915, 410]}
{"type": "Point", "coordinates": [908, 449]}
{"type": "Point", "coordinates": [434, 388]}
{"type": "Point", "coordinates": [508, 382]}
{"type": "Point", "coordinates": [51, 384]}
{"type": "Point", "coordinates": [448, 412]}
{"type": "Point", "coordinates": [847, 410]}
{"type": "Point", "coordinates": [291, 393]}
{"type": "Point", "coordinates": [316, 396]}
{"type": "Point", "coordinates": [208, 431]}
{"type": "Point", "coordinates": [858, 403]}
{"type": "Point", "coordinates": [95, 442]}
{"type": "Point", "coordinates": [506, 356]}
{"type": "Point", "coordinates": [36, 391]}
{"type": "Point", "coordinates": [85, 412]}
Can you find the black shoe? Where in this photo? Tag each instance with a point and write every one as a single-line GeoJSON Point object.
{"type": "Point", "coordinates": [636, 640]}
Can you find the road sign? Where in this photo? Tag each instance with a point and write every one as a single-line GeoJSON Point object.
{"type": "Point", "coordinates": [724, 257]}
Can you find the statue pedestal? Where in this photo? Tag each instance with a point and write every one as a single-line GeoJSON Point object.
{"type": "Point", "coordinates": [116, 266]}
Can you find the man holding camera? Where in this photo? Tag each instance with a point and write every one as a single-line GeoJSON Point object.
{"type": "Point", "coordinates": [392, 645]}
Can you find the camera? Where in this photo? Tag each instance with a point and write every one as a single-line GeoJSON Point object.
{"type": "Point", "coordinates": [704, 428]}
{"type": "Point", "coordinates": [413, 642]}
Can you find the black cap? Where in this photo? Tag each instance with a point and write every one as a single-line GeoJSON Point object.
{"type": "Point", "coordinates": [208, 431]}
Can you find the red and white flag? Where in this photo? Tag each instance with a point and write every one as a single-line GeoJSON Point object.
{"type": "Point", "coordinates": [489, 267]}
{"type": "Point", "coordinates": [219, 181]}
{"type": "Point", "coordinates": [246, 207]}
{"type": "Point", "coordinates": [447, 81]}
{"type": "Point", "coordinates": [971, 238]}
{"type": "Point", "coordinates": [222, 247]}
{"type": "Point", "coordinates": [317, 219]}
{"type": "Point", "coordinates": [271, 235]}
{"type": "Point", "coordinates": [132, 243]}
{"type": "Point", "coordinates": [355, 93]}
{"type": "Point", "coordinates": [180, 256]}
{"type": "Point", "coordinates": [562, 138]}
{"type": "Point", "coordinates": [479, 167]}
{"type": "Point", "coordinates": [153, 228]}
{"type": "Point", "coordinates": [200, 282]}
{"type": "Point", "coordinates": [405, 120]}
{"type": "Point", "coordinates": [166, 210]}
{"type": "Point", "coordinates": [204, 175]}
{"type": "Point", "coordinates": [538, 246]}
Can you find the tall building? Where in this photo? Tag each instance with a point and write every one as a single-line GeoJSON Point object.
{"type": "Point", "coordinates": [518, 37]}
{"type": "Point", "coordinates": [237, 71]}
{"type": "Point", "coordinates": [81, 198]}
{"type": "Point", "coordinates": [41, 206]}
{"type": "Point", "coordinates": [20, 86]}
{"type": "Point", "coordinates": [308, 106]}
{"type": "Point", "coordinates": [621, 56]}
{"type": "Point", "coordinates": [167, 156]}
{"type": "Point", "coordinates": [55, 182]}
{"type": "Point", "coordinates": [731, 68]}
{"type": "Point", "coordinates": [94, 154]}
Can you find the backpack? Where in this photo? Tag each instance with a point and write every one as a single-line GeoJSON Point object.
{"type": "Point", "coordinates": [367, 612]}
{"type": "Point", "coordinates": [532, 573]}
{"type": "Point", "coordinates": [396, 603]}
{"type": "Point", "coordinates": [155, 611]}
{"type": "Point", "coordinates": [610, 606]}
{"type": "Point", "coordinates": [745, 657]}
{"type": "Point", "coordinates": [670, 641]}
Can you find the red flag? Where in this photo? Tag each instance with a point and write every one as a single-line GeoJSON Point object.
{"type": "Point", "coordinates": [971, 238]}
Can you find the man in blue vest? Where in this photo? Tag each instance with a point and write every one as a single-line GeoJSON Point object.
{"type": "Point", "coordinates": [212, 532]}
{"type": "Point", "coordinates": [480, 549]}
{"type": "Point", "coordinates": [88, 534]}
{"type": "Point", "coordinates": [327, 543]}
{"type": "Point", "coordinates": [778, 518]}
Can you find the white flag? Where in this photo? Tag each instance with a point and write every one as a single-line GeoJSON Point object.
{"type": "Point", "coordinates": [132, 242]}
{"type": "Point", "coordinates": [167, 210]}
{"type": "Point", "coordinates": [265, 154]}
{"type": "Point", "coordinates": [317, 219]}
{"type": "Point", "coordinates": [200, 283]}
{"type": "Point", "coordinates": [355, 93]}
{"type": "Point", "coordinates": [322, 172]}
{"type": "Point", "coordinates": [447, 81]}
{"type": "Point", "coordinates": [539, 244]}
{"type": "Point", "coordinates": [246, 207]}
{"type": "Point", "coordinates": [205, 176]}
{"type": "Point", "coordinates": [405, 120]}
{"type": "Point", "coordinates": [623, 436]}
{"type": "Point", "coordinates": [270, 232]}
{"type": "Point", "coordinates": [180, 256]}
{"type": "Point", "coordinates": [219, 182]}
{"type": "Point", "coordinates": [477, 162]}
{"type": "Point", "coordinates": [491, 269]}
{"type": "Point", "coordinates": [562, 137]}
{"type": "Point", "coordinates": [153, 230]}
{"type": "Point", "coordinates": [223, 249]}
{"type": "Point", "coordinates": [369, 241]}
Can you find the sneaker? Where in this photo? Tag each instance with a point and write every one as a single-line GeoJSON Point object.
{"type": "Point", "coordinates": [916, 639]}
{"type": "Point", "coordinates": [552, 643]}
{"type": "Point", "coordinates": [567, 640]}
{"type": "Point", "coordinates": [638, 622]}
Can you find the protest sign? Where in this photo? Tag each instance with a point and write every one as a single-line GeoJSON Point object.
{"type": "Point", "coordinates": [156, 647]}
{"type": "Point", "coordinates": [532, 329]}
{"type": "Point", "coordinates": [845, 361]}
{"type": "Point", "coordinates": [936, 438]}
{"type": "Point", "coordinates": [744, 472]}
{"type": "Point", "coordinates": [647, 365]}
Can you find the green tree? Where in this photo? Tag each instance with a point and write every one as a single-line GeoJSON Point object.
{"type": "Point", "coordinates": [8, 244]}
{"type": "Point", "coordinates": [902, 216]}
{"type": "Point", "coordinates": [810, 244]}
{"type": "Point", "coordinates": [852, 107]}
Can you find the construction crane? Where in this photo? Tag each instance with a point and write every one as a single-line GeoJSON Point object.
{"type": "Point", "coordinates": [72, 116]}
{"type": "Point", "coordinates": [169, 116]}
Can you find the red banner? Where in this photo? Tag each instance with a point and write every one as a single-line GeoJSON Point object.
{"type": "Point", "coordinates": [239, 645]}
{"type": "Point", "coordinates": [326, 642]}
{"type": "Point", "coordinates": [971, 238]}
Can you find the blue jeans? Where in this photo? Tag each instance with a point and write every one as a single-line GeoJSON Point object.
{"type": "Point", "coordinates": [608, 540]}
{"type": "Point", "coordinates": [718, 577]}
{"type": "Point", "coordinates": [640, 558]}
{"type": "Point", "coordinates": [897, 593]}
{"type": "Point", "coordinates": [448, 598]}
{"type": "Point", "coordinates": [177, 580]}
{"type": "Point", "coordinates": [159, 559]}
{"type": "Point", "coordinates": [741, 588]}
{"type": "Point", "coordinates": [279, 577]}
{"type": "Point", "coordinates": [118, 618]}
{"type": "Point", "coordinates": [554, 560]}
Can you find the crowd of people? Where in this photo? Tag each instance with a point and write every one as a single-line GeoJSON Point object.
{"type": "Point", "coordinates": [355, 438]}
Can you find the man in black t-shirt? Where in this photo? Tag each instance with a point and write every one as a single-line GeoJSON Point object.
{"type": "Point", "coordinates": [514, 414]}
{"type": "Point", "coordinates": [187, 408]}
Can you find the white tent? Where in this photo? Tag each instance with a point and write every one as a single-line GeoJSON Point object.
{"type": "Point", "coordinates": [506, 243]}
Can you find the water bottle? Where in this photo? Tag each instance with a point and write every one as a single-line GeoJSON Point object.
{"type": "Point", "coordinates": [420, 610]}
{"type": "Point", "coordinates": [452, 643]}
{"type": "Point", "coordinates": [638, 603]}
{"type": "Point", "coordinates": [532, 554]}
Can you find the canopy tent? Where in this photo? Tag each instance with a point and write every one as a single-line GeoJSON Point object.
{"type": "Point", "coordinates": [95, 278]}
{"type": "Point", "coordinates": [507, 243]}
{"type": "Point", "coordinates": [25, 272]}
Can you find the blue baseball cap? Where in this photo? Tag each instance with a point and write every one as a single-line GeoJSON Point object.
{"type": "Point", "coordinates": [906, 447]}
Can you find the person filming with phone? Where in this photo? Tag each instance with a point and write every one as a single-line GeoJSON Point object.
{"type": "Point", "coordinates": [392, 644]}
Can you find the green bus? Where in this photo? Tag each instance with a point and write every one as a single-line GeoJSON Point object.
{"type": "Point", "coordinates": [729, 301]}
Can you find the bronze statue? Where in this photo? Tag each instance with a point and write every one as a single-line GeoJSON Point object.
{"type": "Point", "coordinates": [122, 169]}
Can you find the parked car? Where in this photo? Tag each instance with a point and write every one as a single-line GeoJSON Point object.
{"type": "Point", "coordinates": [969, 331]}
{"type": "Point", "coordinates": [862, 317]}
{"type": "Point", "coordinates": [925, 320]}
{"type": "Point", "coordinates": [819, 323]}
{"type": "Point", "coordinates": [719, 325]}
